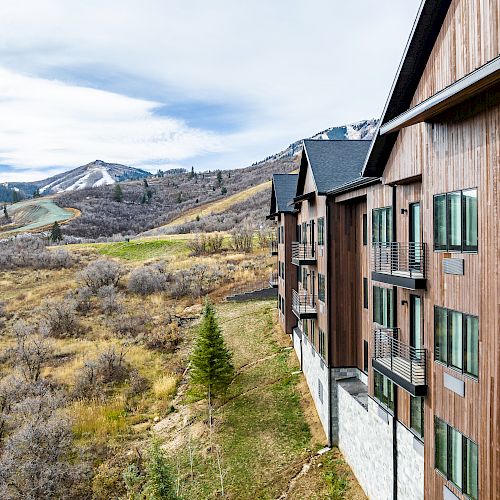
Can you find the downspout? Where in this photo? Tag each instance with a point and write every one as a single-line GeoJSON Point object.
{"type": "Point", "coordinates": [395, 324]}
{"type": "Point", "coordinates": [328, 309]}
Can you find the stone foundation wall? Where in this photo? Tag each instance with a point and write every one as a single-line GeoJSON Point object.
{"type": "Point", "coordinates": [410, 465]}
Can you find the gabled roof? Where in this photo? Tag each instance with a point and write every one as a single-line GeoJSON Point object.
{"type": "Point", "coordinates": [424, 33]}
{"type": "Point", "coordinates": [332, 163]}
{"type": "Point", "coordinates": [282, 192]}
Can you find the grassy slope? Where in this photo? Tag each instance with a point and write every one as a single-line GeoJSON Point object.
{"type": "Point", "coordinates": [261, 428]}
{"type": "Point", "coordinates": [37, 214]}
{"type": "Point", "coordinates": [215, 207]}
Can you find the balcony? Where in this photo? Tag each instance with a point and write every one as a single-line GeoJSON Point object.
{"type": "Point", "coordinates": [406, 366]}
{"type": "Point", "coordinates": [273, 279]}
{"type": "Point", "coordinates": [400, 264]}
{"type": "Point", "coordinates": [303, 304]}
{"type": "Point", "coordinates": [303, 253]}
{"type": "Point", "coordinates": [273, 247]}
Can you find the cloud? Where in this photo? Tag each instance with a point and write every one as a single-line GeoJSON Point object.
{"type": "Point", "coordinates": [52, 124]}
{"type": "Point", "coordinates": [231, 82]}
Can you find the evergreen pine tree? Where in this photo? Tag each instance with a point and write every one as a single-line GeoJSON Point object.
{"type": "Point", "coordinates": [219, 177]}
{"type": "Point", "coordinates": [36, 194]}
{"type": "Point", "coordinates": [5, 213]}
{"type": "Point", "coordinates": [118, 193]}
{"type": "Point", "coordinates": [143, 198]}
{"type": "Point", "coordinates": [146, 185]}
{"type": "Point", "coordinates": [149, 194]}
{"type": "Point", "coordinates": [160, 482]}
{"type": "Point", "coordinates": [191, 174]}
{"type": "Point", "coordinates": [179, 198]}
{"type": "Point", "coordinates": [211, 360]}
{"type": "Point", "coordinates": [56, 233]}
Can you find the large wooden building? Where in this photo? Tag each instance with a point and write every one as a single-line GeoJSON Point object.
{"type": "Point", "coordinates": [410, 316]}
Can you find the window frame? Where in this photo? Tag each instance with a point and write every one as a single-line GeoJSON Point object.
{"type": "Point", "coordinates": [389, 303]}
{"type": "Point", "coordinates": [365, 293]}
{"type": "Point", "coordinates": [465, 443]}
{"type": "Point", "coordinates": [365, 230]}
{"type": "Point", "coordinates": [422, 417]}
{"type": "Point", "coordinates": [321, 231]}
{"type": "Point", "coordinates": [381, 221]}
{"type": "Point", "coordinates": [465, 358]}
{"type": "Point", "coordinates": [448, 247]}
{"type": "Point", "coordinates": [390, 389]}
{"type": "Point", "coordinates": [321, 343]}
{"type": "Point", "coordinates": [321, 287]}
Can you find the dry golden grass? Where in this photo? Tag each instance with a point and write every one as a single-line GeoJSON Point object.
{"type": "Point", "coordinates": [165, 387]}
{"type": "Point", "coordinates": [97, 419]}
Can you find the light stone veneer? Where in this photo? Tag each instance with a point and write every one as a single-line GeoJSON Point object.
{"type": "Point", "coordinates": [365, 440]}
{"type": "Point", "coordinates": [315, 372]}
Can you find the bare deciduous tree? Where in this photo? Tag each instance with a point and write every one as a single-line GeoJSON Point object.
{"type": "Point", "coordinates": [102, 272]}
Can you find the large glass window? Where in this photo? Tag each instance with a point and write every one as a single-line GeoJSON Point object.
{"type": "Point", "coordinates": [384, 390]}
{"type": "Point", "coordinates": [321, 287]}
{"type": "Point", "coordinates": [365, 293]}
{"type": "Point", "coordinates": [321, 231]}
{"type": "Point", "coordinates": [382, 225]}
{"type": "Point", "coordinates": [382, 306]}
{"type": "Point", "coordinates": [365, 230]}
{"type": "Point", "coordinates": [456, 340]}
{"type": "Point", "coordinates": [455, 221]}
{"type": "Point", "coordinates": [456, 457]}
{"type": "Point", "coordinates": [417, 415]}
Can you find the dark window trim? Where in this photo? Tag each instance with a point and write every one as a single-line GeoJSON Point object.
{"type": "Point", "coordinates": [321, 233]}
{"type": "Point", "coordinates": [365, 230]}
{"type": "Point", "coordinates": [462, 248]}
{"type": "Point", "coordinates": [448, 342]}
{"type": "Point", "coordinates": [422, 418]}
{"type": "Point", "coordinates": [365, 293]}
{"type": "Point", "coordinates": [464, 488]}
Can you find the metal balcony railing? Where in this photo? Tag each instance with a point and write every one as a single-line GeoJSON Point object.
{"type": "Point", "coordinates": [303, 252]}
{"type": "Point", "coordinates": [273, 247]}
{"type": "Point", "coordinates": [303, 304]}
{"type": "Point", "coordinates": [403, 364]}
{"type": "Point", "coordinates": [399, 259]}
{"type": "Point", "coordinates": [273, 278]}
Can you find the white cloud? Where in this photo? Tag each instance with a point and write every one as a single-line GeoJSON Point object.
{"type": "Point", "coordinates": [293, 67]}
{"type": "Point", "coordinates": [48, 123]}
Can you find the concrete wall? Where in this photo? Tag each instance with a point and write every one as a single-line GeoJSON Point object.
{"type": "Point", "coordinates": [365, 440]}
{"type": "Point", "coordinates": [316, 375]}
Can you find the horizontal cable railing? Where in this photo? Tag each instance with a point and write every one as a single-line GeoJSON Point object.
{"type": "Point", "coordinates": [273, 246]}
{"type": "Point", "coordinates": [404, 360]}
{"type": "Point", "coordinates": [273, 278]}
{"type": "Point", "coordinates": [303, 302]}
{"type": "Point", "coordinates": [303, 251]}
{"type": "Point", "coordinates": [404, 259]}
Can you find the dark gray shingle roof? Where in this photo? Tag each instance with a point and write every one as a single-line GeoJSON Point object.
{"type": "Point", "coordinates": [284, 187]}
{"type": "Point", "coordinates": [334, 163]}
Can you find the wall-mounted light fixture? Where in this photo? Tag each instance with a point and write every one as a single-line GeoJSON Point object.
{"type": "Point", "coordinates": [404, 211]}
{"type": "Point", "coordinates": [404, 302]}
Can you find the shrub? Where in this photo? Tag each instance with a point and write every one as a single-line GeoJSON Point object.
{"type": "Point", "coordinates": [129, 325]}
{"type": "Point", "coordinates": [35, 461]}
{"type": "Point", "coordinates": [110, 302]}
{"type": "Point", "coordinates": [206, 244]}
{"type": "Point", "coordinates": [148, 279]}
{"type": "Point", "coordinates": [59, 319]}
{"type": "Point", "coordinates": [242, 239]}
{"type": "Point", "coordinates": [102, 272]}
{"type": "Point", "coordinates": [31, 352]}
{"type": "Point", "coordinates": [83, 299]}
{"type": "Point", "coordinates": [108, 368]}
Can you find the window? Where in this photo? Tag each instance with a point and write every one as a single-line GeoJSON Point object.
{"type": "Point", "coordinates": [279, 301]}
{"type": "Point", "coordinates": [321, 231]}
{"type": "Point", "coordinates": [455, 221]}
{"type": "Point", "coordinates": [384, 390]}
{"type": "Point", "coordinates": [417, 415]}
{"type": "Point", "coordinates": [365, 356]}
{"type": "Point", "coordinates": [365, 293]}
{"type": "Point", "coordinates": [313, 332]}
{"type": "Point", "coordinates": [279, 234]}
{"type": "Point", "coordinates": [321, 335]}
{"type": "Point", "coordinates": [365, 230]}
{"type": "Point", "coordinates": [304, 278]}
{"type": "Point", "coordinates": [456, 457]}
{"type": "Point", "coordinates": [321, 287]}
{"type": "Point", "coordinates": [456, 340]}
{"type": "Point", "coordinates": [382, 225]}
{"type": "Point", "coordinates": [283, 270]}
{"type": "Point", "coordinates": [279, 269]}
{"type": "Point", "coordinates": [304, 232]}
{"type": "Point", "coordinates": [305, 327]}
{"type": "Point", "coordinates": [382, 306]}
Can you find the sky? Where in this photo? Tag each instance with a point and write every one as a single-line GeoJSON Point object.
{"type": "Point", "coordinates": [159, 84]}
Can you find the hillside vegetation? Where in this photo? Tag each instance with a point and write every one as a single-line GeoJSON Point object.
{"type": "Point", "coordinates": [171, 197]}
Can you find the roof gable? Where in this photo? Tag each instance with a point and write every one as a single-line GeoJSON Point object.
{"type": "Point", "coordinates": [424, 33]}
{"type": "Point", "coordinates": [332, 163]}
{"type": "Point", "coordinates": [283, 191]}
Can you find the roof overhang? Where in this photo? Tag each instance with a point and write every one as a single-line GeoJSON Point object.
{"type": "Point", "coordinates": [303, 197]}
{"type": "Point", "coordinates": [353, 185]}
{"type": "Point", "coordinates": [467, 87]}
